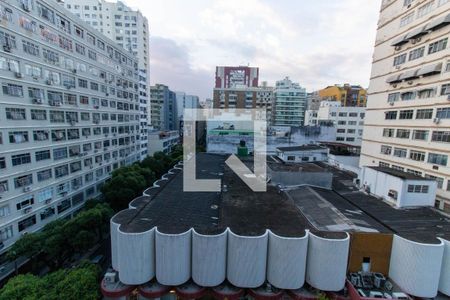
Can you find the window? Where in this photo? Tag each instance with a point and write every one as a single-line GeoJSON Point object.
{"type": "Point", "coordinates": [92, 55]}
{"type": "Point", "coordinates": [54, 99]}
{"type": "Point", "coordinates": [82, 83]}
{"type": "Point", "coordinates": [441, 136]}
{"type": "Point", "coordinates": [86, 131]}
{"type": "Point", "coordinates": [94, 86]}
{"type": "Point", "coordinates": [75, 167]}
{"type": "Point", "coordinates": [63, 206]}
{"type": "Point", "coordinates": [445, 89]}
{"type": "Point", "coordinates": [400, 152]}
{"type": "Point", "coordinates": [425, 9]}
{"type": "Point", "coordinates": [12, 90]}
{"type": "Point", "coordinates": [7, 40]}
{"type": "Point", "coordinates": [61, 171]}
{"type": "Point", "coordinates": [51, 57]}
{"type": "Point", "coordinates": [416, 53]}
{"type": "Point", "coordinates": [407, 19]}
{"type": "Point", "coordinates": [44, 175]}
{"type": "Point", "coordinates": [38, 114]}
{"type": "Point", "coordinates": [418, 188]}
{"type": "Point", "coordinates": [437, 46]}
{"type": "Point", "coordinates": [56, 116]}
{"type": "Point", "coordinates": [80, 49]}
{"type": "Point", "coordinates": [421, 135]}
{"type": "Point", "coordinates": [4, 211]}
{"type": "Point", "coordinates": [58, 135]}
{"type": "Point", "coordinates": [417, 155]}
{"type": "Point", "coordinates": [40, 135]}
{"type": "Point", "coordinates": [36, 94]}
{"type": "Point", "coordinates": [84, 99]}
{"type": "Point", "coordinates": [406, 114]}
{"type": "Point", "coordinates": [408, 96]}
{"type": "Point", "coordinates": [426, 93]}
{"type": "Point", "coordinates": [391, 115]}
{"type": "Point", "coordinates": [400, 59]}
{"type": "Point", "coordinates": [26, 223]}
{"type": "Point", "coordinates": [437, 159]}
{"type": "Point", "coordinates": [74, 150]}
{"type": "Point", "coordinates": [17, 137]}
{"type": "Point", "coordinates": [30, 48]}
{"type": "Point", "coordinates": [386, 150]}
{"type": "Point", "coordinates": [393, 97]}
{"type": "Point", "coordinates": [64, 24]}
{"type": "Point", "coordinates": [59, 153]}
{"type": "Point", "coordinates": [2, 163]}
{"type": "Point", "coordinates": [388, 132]}
{"type": "Point", "coordinates": [73, 134]}
{"type": "Point", "coordinates": [443, 113]}
{"type": "Point", "coordinates": [417, 173]}
{"type": "Point", "coordinates": [424, 113]}
{"type": "Point", "coordinates": [21, 159]}
{"type": "Point", "coordinates": [84, 116]}
{"type": "Point", "coordinates": [9, 64]}
{"type": "Point", "coordinates": [15, 113]}
{"type": "Point", "coordinates": [42, 155]}
{"type": "Point", "coordinates": [403, 133]}
{"type": "Point", "coordinates": [23, 181]}
{"type": "Point", "coordinates": [46, 13]}
{"type": "Point", "coordinates": [407, 2]}
{"type": "Point", "coordinates": [71, 116]}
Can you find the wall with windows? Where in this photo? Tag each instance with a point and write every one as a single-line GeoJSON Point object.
{"type": "Point", "coordinates": [69, 114]}
{"type": "Point", "coordinates": [407, 120]}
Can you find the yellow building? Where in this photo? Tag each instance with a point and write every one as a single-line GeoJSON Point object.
{"type": "Point", "coordinates": [348, 95]}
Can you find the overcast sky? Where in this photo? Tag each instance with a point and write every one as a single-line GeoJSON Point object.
{"type": "Point", "coordinates": [316, 43]}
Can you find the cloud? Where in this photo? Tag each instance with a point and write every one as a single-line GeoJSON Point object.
{"type": "Point", "coordinates": [170, 65]}
{"type": "Point", "coordinates": [316, 43]}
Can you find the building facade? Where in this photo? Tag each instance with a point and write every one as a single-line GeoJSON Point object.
{"type": "Point", "coordinates": [129, 29]}
{"type": "Point", "coordinates": [346, 94]}
{"type": "Point", "coordinates": [290, 102]}
{"type": "Point", "coordinates": [407, 124]}
{"type": "Point", "coordinates": [348, 120]}
{"type": "Point", "coordinates": [163, 141]}
{"type": "Point", "coordinates": [163, 110]}
{"type": "Point", "coordinates": [236, 77]}
{"type": "Point", "coordinates": [69, 114]}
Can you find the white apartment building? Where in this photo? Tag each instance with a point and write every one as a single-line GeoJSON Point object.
{"type": "Point", "coordinates": [183, 101]}
{"type": "Point", "coordinates": [290, 102]}
{"type": "Point", "coordinates": [69, 114]}
{"type": "Point", "coordinates": [348, 120]}
{"type": "Point", "coordinates": [129, 29]}
{"type": "Point", "coordinates": [163, 141]}
{"type": "Point", "coordinates": [407, 124]}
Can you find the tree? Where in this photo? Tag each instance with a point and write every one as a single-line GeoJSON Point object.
{"type": "Point", "coordinates": [27, 246]}
{"type": "Point", "coordinates": [78, 283]}
{"type": "Point", "coordinates": [22, 287]}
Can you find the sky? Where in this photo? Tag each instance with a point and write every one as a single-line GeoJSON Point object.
{"type": "Point", "coordinates": [316, 43]}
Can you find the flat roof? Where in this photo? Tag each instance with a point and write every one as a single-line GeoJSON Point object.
{"type": "Point", "coordinates": [301, 148]}
{"type": "Point", "coordinates": [398, 173]}
{"type": "Point", "coordinates": [328, 213]}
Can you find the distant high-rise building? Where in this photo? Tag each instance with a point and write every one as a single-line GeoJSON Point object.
{"type": "Point", "coordinates": [65, 121]}
{"type": "Point", "coordinates": [129, 29]}
{"type": "Point", "coordinates": [236, 77]}
{"type": "Point", "coordinates": [407, 124]}
{"type": "Point", "coordinates": [237, 87]}
{"type": "Point", "coordinates": [347, 94]}
{"type": "Point", "coordinates": [348, 120]}
{"type": "Point", "coordinates": [164, 114]}
{"type": "Point", "coordinates": [289, 104]}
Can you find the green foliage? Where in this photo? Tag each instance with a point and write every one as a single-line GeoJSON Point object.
{"type": "Point", "coordinates": [60, 239]}
{"type": "Point", "coordinates": [322, 296]}
{"type": "Point", "coordinates": [78, 283]}
{"type": "Point", "coordinates": [129, 182]}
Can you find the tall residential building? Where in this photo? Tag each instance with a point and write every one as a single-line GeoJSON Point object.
{"type": "Point", "coordinates": [408, 113]}
{"type": "Point", "coordinates": [237, 87]}
{"type": "Point", "coordinates": [348, 120]}
{"type": "Point", "coordinates": [289, 104]}
{"type": "Point", "coordinates": [183, 101]}
{"type": "Point", "coordinates": [236, 77]}
{"type": "Point", "coordinates": [69, 114]}
{"type": "Point", "coordinates": [163, 110]}
{"type": "Point", "coordinates": [347, 94]}
{"type": "Point", "coordinates": [129, 29]}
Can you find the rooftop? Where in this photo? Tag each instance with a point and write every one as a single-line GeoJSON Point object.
{"type": "Point", "coordinates": [301, 148]}
{"type": "Point", "coordinates": [399, 174]}
{"type": "Point", "coordinates": [285, 212]}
